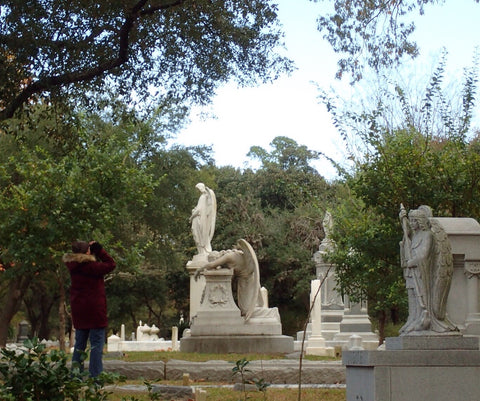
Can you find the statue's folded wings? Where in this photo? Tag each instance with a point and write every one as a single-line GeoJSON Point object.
{"type": "Point", "coordinates": [443, 271]}
{"type": "Point", "coordinates": [253, 298]}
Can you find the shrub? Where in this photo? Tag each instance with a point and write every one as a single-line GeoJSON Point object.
{"type": "Point", "coordinates": [33, 373]}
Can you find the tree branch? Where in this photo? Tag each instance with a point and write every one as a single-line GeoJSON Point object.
{"type": "Point", "coordinates": [47, 83]}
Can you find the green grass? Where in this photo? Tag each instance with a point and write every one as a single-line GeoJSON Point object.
{"type": "Point", "coordinates": [197, 357]}
{"type": "Point", "coordinates": [227, 394]}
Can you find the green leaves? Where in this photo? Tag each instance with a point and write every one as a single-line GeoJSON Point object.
{"type": "Point", "coordinates": [33, 372]}
{"type": "Point", "coordinates": [51, 200]}
{"type": "Point", "coordinates": [370, 33]}
{"type": "Point", "coordinates": [72, 50]}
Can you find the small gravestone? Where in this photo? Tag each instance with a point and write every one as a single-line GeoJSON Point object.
{"type": "Point", "coordinates": [23, 331]}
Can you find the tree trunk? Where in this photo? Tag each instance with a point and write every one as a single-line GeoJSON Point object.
{"type": "Point", "coordinates": [135, 322]}
{"type": "Point", "coordinates": [12, 302]}
{"type": "Point", "coordinates": [382, 317]}
{"type": "Point", "coordinates": [44, 329]}
{"type": "Point", "coordinates": [38, 311]}
{"type": "Point", "coordinates": [61, 313]}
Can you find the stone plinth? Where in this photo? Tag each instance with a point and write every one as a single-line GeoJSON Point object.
{"type": "Point", "coordinates": [415, 368]}
{"type": "Point", "coordinates": [316, 342]}
{"type": "Point", "coordinates": [237, 344]}
{"type": "Point", "coordinates": [442, 342]}
{"type": "Point", "coordinates": [137, 346]}
{"type": "Point", "coordinates": [332, 316]}
{"type": "Point", "coordinates": [355, 322]}
{"type": "Point", "coordinates": [332, 301]}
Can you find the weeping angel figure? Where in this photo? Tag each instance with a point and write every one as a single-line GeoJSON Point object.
{"type": "Point", "coordinates": [426, 258]}
{"type": "Point", "coordinates": [243, 261]}
{"type": "Point", "coordinates": [203, 219]}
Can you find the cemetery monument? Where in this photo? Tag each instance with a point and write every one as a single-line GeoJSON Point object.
{"type": "Point", "coordinates": [218, 323]}
{"type": "Point", "coordinates": [337, 319]}
{"type": "Point", "coordinates": [431, 359]}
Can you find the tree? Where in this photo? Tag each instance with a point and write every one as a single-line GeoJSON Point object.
{"type": "Point", "coordinates": [279, 210]}
{"type": "Point", "coordinates": [428, 157]}
{"type": "Point", "coordinates": [59, 49]}
{"type": "Point", "coordinates": [39, 300]}
{"type": "Point", "coordinates": [286, 154]}
{"type": "Point", "coordinates": [375, 33]}
{"type": "Point", "coordinates": [51, 197]}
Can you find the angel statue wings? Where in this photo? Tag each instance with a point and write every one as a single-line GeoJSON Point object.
{"type": "Point", "coordinates": [203, 219]}
{"type": "Point", "coordinates": [427, 262]}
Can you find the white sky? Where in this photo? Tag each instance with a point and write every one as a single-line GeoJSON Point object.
{"type": "Point", "coordinates": [289, 107]}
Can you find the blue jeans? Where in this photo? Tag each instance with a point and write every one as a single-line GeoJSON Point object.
{"type": "Point", "coordinates": [97, 340]}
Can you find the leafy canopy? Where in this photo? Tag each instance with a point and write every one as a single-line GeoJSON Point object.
{"type": "Point", "coordinates": [278, 209]}
{"type": "Point", "coordinates": [182, 48]}
{"type": "Point", "coordinates": [376, 33]}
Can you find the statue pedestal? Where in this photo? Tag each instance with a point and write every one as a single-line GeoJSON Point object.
{"type": "Point", "coordinates": [219, 327]}
{"type": "Point", "coordinates": [217, 314]}
{"type": "Point", "coordinates": [333, 306]}
{"type": "Point", "coordinates": [196, 286]}
{"type": "Point", "coordinates": [415, 368]}
{"type": "Point", "coordinates": [355, 322]}
{"type": "Point", "coordinates": [316, 342]}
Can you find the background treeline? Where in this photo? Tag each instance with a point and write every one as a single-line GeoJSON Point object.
{"type": "Point", "coordinates": [115, 180]}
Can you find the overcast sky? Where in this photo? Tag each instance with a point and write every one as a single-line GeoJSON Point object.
{"type": "Point", "coordinates": [289, 107]}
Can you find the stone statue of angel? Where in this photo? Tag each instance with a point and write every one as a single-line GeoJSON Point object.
{"type": "Point", "coordinates": [244, 263]}
{"type": "Point", "coordinates": [203, 219]}
{"type": "Point", "coordinates": [427, 260]}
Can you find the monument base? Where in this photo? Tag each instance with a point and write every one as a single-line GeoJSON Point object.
{"type": "Point", "coordinates": [415, 369]}
{"type": "Point", "coordinates": [316, 346]}
{"type": "Point", "coordinates": [237, 344]}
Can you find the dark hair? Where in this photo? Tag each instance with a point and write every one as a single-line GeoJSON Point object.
{"type": "Point", "coordinates": [80, 246]}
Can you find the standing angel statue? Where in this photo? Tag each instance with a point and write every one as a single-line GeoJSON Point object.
{"type": "Point", "coordinates": [426, 258]}
{"type": "Point", "coordinates": [203, 219]}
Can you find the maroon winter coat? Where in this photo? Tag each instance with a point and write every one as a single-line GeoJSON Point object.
{"type": "Point", "coordinates": [87, 292]}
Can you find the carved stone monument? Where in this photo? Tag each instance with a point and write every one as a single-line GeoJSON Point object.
{"type": "Point", "coordinates": [340, 319]}
{"type": "Point", "coordinates": [222, 325]}
{"type": "Point", "coordinates": [144, 339]}
{"type": "Point", "coordinates": [463, 304]}
{"type": "Point", "coordinates": [431, 359]}
{"type": "Point", "coordinates": [316, 342]}
{"type": "Point", "coordinates": [332, 301]}
{"type": "Point", "coordinates": [356, 325]}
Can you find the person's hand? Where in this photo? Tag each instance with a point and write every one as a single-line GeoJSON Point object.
{"type": "Point", "coordinates": [95, 247]}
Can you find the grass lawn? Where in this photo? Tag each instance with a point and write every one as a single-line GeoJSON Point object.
{"type": "Point", "coordinates": [221, 393]}
{"type": "Point", "coordinates": [197, 357]}
{"type": "Point", "coordinates": [228, 394]}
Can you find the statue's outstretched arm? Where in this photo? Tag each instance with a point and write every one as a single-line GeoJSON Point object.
{"type": "Point", "coordinates": [214, 264]}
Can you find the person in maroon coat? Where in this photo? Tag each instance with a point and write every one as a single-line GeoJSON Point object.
{"type": "Point", "coordinates": [88, 264]}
